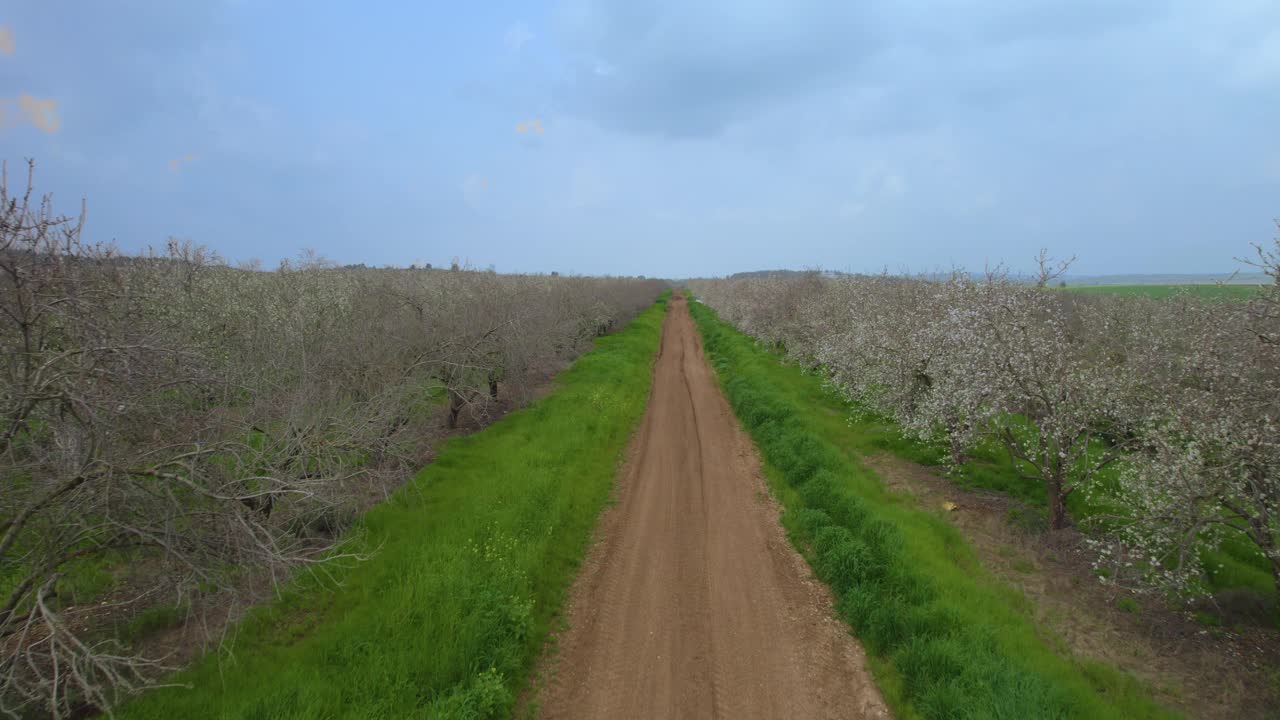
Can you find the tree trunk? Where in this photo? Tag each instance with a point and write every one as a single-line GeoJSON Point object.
{"type": "Point", "coordinates": [1275, 577]}
{"type": "Point", "coordinates": [260, 504]}
{"type": "Point", "coordinates": [455, 407]}
{"type": "Point", "coordinates": [957, 447]}
{"type": "Point", "coordinates": [1057, 504]}
{"type": "Point", "coordinates": [493, 386]}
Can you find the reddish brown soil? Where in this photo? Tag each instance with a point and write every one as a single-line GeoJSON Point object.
{"type": "Point", "coordinates": [693, 604]}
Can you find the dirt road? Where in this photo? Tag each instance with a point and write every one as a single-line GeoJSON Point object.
{"type": "Point", "coordinates": [693, 604]}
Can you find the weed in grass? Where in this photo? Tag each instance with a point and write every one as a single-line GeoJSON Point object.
{"type": "Point", "coordinates": [1207, 618]}
{"type": "Point", "coordinates": [151, 621]}
{"type": "Point", "coordinates": [1029, 519]}
{"type": "Point", "coordinates": [87, 579]}
{"type": "Point", "coordinates": [1129, 605]}
{"type": "Point", "coordinates": [1273, 679]}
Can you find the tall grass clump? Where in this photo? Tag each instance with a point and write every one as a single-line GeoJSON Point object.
{"type": "Point", "coordinates": [468, 565]}
{"type": "Point", "coordinates": [946, 639]}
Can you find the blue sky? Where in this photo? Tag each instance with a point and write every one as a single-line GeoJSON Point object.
{"type": "Point", "coordinates": [661, 137]}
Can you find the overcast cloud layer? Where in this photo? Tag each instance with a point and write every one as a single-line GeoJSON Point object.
{"type": "Point", "coordinates": [665, 138]}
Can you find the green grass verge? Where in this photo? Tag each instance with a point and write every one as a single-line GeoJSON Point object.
{"type": "Point", "coordinates": [1210, 292]}
{"type": "Point", "coordinates": [946, 639]}
{"type": "Point", "coordinates": [470, 562]}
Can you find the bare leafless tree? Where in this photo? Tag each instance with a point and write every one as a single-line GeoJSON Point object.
{"type": "Point", "coordinates": [1048, 269]}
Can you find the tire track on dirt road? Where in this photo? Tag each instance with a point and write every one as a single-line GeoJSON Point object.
{"type": "Point", "coordinates": [693, 604]}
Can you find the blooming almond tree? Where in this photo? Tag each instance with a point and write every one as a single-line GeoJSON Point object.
{"type": "Point", "coordinates": [878, 353]}
{"type": "Point", "coordinates": [1209, 466]}
{"type": "Point", "coordinates": [956, 409]}
{"type": "Point", "coordinates": [1057, 395]}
